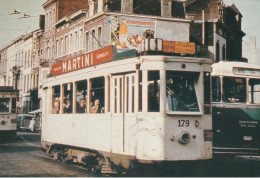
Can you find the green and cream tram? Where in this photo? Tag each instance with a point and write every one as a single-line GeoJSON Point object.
{"type": "Point", "coordinates": [124, 110]}
{"type": "Point", "coordinates": [236, 107]}
{"type": "Point", "coordinates": [8, 123]}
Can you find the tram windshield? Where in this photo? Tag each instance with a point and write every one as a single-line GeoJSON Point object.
{"type": "Point", "coordinates": [254, 91]}
{"type": "Point", "coordinates": [180, 91]}
{"type": "Point", "coordinates": [4, 105]}
{"type": "Point", "coordinates": [234, 89]}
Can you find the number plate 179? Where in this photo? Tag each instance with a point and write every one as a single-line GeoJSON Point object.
{"type": "Point", "coordinates": [183, 123]}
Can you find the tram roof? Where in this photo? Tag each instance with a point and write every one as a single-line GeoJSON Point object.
{"type": "Point", "coordinates": [227, 68]}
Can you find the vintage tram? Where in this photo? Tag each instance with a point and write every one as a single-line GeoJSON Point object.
{"type": "Point", "coordinates": [8, 123]}
{"type": "Point", "coordinates": [147, 109]}
{"type": "Point", "coordinates": [236, 108]}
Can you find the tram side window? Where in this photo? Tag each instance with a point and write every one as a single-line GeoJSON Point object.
{"type": "Point", "coordinates": [13, 105]}
{"type": "Point", "coordinates": [97, 95]}
{"type": "Point", "coordinates": [67, 99]}
{"type": "Point", "coordinates": [254, 91]}
{"type": "Point", "coordinates": [81, 96]}
{"type": "Point", "coordinates": [56, 100]}
{"type": "Point", "coordinates": [216, 89]}
{"type": "Point", "coordinates": [234, 89]}
{"type": "Point", "coordinates": [140, 91]}
{"type": "Point", "coordinates": [4, 105]}
{"type": "Point", "coordinates": [153, 91]}
{"type": "Point", "coordinates": [180, 91]}
{"type": "Point", "coordinates": [207, 102]}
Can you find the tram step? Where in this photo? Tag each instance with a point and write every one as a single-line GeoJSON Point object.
{"type": "Point", "coordinates": [107, 170]}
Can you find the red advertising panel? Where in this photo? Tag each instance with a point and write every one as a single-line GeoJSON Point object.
{"type": "Point", "coordinates": [83, 61]}
{"type": "Point", "coordinates": [179, 47]}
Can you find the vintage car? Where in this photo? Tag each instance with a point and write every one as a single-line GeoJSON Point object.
{"type": "Point", "coordinates": [23, 122]}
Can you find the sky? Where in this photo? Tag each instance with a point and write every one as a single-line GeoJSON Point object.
{"type": "Point", "coordinates": [11, 27]}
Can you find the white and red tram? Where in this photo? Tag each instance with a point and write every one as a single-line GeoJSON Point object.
{"type": "Point", "coordinates": [121, 110]}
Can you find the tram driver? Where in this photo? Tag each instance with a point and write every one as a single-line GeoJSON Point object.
{"type": "Point", "coordinates": [172, 95]}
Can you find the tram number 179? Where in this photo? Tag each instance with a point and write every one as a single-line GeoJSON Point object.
{"type": "Point", "coordinates": [183, 123]}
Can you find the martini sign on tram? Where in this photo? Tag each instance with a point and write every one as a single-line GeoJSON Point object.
{"type": "Point", "coordinates": [83, 61]}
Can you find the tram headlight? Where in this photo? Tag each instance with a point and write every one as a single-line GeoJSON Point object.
{"type": "Point", "coordinates": [184, 137]}
{"type": "Point", "coordinates": [3, 122]}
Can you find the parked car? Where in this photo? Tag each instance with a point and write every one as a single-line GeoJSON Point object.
{"type": "Point", "coordinates": [23, 122]}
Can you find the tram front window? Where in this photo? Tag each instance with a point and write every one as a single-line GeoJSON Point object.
{"type": "Point", "coordinates": [153, 91]}
{"type": "Point", "coordinates": [180, 91]}
{"type": "Point", "coordinates": [216, 89]}
{"type": "Point", "coordinates": [4, 105]}
{"type": "Point", "coordinates": [234, 89]}
{"type": "Point", "coordinates": [254, 91]}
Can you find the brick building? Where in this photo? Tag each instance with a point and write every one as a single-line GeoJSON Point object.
{"type": "Point", "coordinates": [217, 26]}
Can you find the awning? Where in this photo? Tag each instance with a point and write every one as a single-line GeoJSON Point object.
{"type": "Point", "coordinates": [36, 111]}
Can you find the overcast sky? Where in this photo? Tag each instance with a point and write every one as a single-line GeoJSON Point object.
{"type": "Point", "coordinates": [11, 27]}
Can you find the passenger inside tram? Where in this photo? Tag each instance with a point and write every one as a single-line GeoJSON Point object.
{"type": "Point", "coordinates": [67, 108]}
{"type": "Point", "coordinates": [56, 108]}
{"type": "Point", "coordinates": [96, 108]}
{"type": "Point", "coordinates": [81, 107]}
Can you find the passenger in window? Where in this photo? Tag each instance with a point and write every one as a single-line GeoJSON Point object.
{"type": "Point", "coordinates": [81, 108]}
{"type": "Point", "coordinates": [96, 108]}
{"type": "Point", "coordinates": [67, 107]}
{"type": "Point", "coordinates": [172, 95]}
{"type": "Point", "coordinates": [56, 109]}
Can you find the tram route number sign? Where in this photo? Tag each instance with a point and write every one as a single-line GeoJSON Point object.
{"type": "Point", "coordinates": [83, 61]}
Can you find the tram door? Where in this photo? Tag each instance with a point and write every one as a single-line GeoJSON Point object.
{"type": "Point", "coordinates": [122, 105]}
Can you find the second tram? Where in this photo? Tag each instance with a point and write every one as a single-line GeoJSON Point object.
{"type": "Point", "coordinates": [8, 123]}
{"type": "Point", "coordinates": [151, 108]}
{"type": "Point", "coordinates": [236, 108]}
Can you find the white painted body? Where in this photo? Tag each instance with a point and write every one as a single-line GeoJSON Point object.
{"type": "Point", "coordinates": [146, 136]}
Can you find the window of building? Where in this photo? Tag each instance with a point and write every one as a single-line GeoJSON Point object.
{"type": "Point", "coordinates": [95, 7]}
{"type": "Point", "coordinates": [97, 95]}
{"type": "Point", "coordinates": [87, 41]}
{"type": "Point", "coordinates": [81, 96]}
{"type": "Point", "coordinates": [99, 36]}
{"type": "Point", "coordinates": [178, 9]}
{"type": "Point", "coordinates": [56, 99]}
{"type": "Point", "coordinates": [93, 40]}
{"type": "Point", "coordinates": [68, 98]}
{"type": "Point", "coordinates": [29, 58]}
{"type": "Point", "coordinates": [57, 48]}
{"type": "Point", "coordinates": [62, 47]}
{"type": "Point", "coordinates": [66, 45]}
{"type": "Point", "coordinates": [152, 7]}
{"type": "Point", "coordinates": [71, 43]}
{"type": "Point", "coordinates": [130, 93]}
{"type": "Point", "coordinates": [113, 6]}
{"type": "Point", "coordinates": [25, 59]}
{"type": "Point", "coordinates": [224, 52]}
{"type": "Point", "coordinates": [181, 91]}
{"type": "Point", "coordinates": [234, 89]}
{"type": "Point", "coordinates": [76, 41]}
{"type": "Point", "coordinates": [217, 51]}
{"type": "Point", "coordinates": [216, 89]}
{"type": "Point", "coordinates": [254, 91]}
{"type": "Point", "coordinates": [81, 39]}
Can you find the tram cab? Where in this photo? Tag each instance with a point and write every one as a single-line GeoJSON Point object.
{"type": "Point", "coordinates": [148, 108]}
{"type": "Point", "coordinates": [236, 108]}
